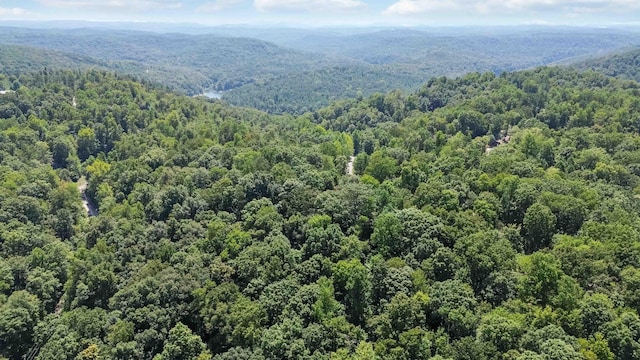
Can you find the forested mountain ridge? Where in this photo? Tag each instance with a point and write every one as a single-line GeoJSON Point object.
{"type": "Point", "coordinates": [625, 65]}
{"type": "Point", "coordinates": [190, 63]}
{"type": "Point", "coordinates": [504, 50]}
{"type": "Point", "coordinates": [300, 73]}
{"type": "Point", "coordinates": [228, 233]}
{"type": "Point", "coordinates": [312, 90]}
{"type": "Point", "coordinates": [406, 58]}
{"type": "Point", "coordinates": [16, 59]}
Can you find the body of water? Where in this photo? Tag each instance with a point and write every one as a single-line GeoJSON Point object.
{"type": "Point", "coordinates": [212, 94]}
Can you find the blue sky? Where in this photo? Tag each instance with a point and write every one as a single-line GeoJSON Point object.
{"type": "Point", "coordinates": [332, 12]}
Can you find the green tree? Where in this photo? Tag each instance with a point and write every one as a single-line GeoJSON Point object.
{"type": "Point", "coordinates": [45, 286]}
{"type": "Point", "coordinates": [326, 306]}
{"type": "Point", "coordinates": [453, 307]}
{"type": "Point", "coordinates": [360, 163]}
{"type": "Point", "coordinates": [631, 286]}
{"type": "Point", "coordinates": [322, 237]}
{"type": "Point", "coordinates": [61, 150]}
{"type": "Point", "coordinates": [501, 329]}
{"type": "Point", "coordinates": [182, 344]}
{"type": "Point", "coordinates": [87, 144]}
{"type": "Point", "coordinates": [387, 234]}
{"type": "Point", "coordinates": [353, 286]}
{"type": "Point", "coordinates": [542, 281]}
{"type": "Point", "coordinates": [595, 311]}
{"type": "Point", "coordinates": [381, 166]}
{"type": "Point", "coordinates": [18, 318]}
{"type": "Point", "coordinates": [489, 259]}
{"type": "Point", "coordinates": [538, 227]}
{"type": "Point", "coordinates": [556, 349]}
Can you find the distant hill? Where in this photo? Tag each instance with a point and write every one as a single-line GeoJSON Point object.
{"type": "Point", "coordinates": [189, 63]}
{"type": "Point", "coordinates": [407, 58]}
{"type": "Point", "coordinates": [304, 70]}
{"type": "Point", "coordinates": [461, 51]}
{"type": "Point", "coordinates": [308, 91]}
{"type": "Point", "coordinates": [624, 65]}
{"type": "Point", "coordinates": [16, 59]}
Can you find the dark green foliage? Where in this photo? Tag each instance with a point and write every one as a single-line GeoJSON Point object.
{"type": "Point", "coordinates": [538, 227]}
{"type": "Point", "coordinates": [19, 316]}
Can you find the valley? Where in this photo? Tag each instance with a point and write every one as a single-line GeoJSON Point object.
{"type": "Point", "coordinates": [295, 71]}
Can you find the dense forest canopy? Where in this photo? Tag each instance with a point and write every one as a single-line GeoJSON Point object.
{"type": "Point", "coordinates": [17, 59]}
{"type": "Point", "coordinates": [228, 233]}
{"type": "Point", "coordinates": [295, 71]}
{"type": "Point", "coordinates": [624, 65]}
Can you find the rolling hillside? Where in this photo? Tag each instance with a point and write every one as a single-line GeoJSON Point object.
{"type": "Point", "coordinates": [625, 65]}
{"type": "Point", "coordinates": [309, 69]}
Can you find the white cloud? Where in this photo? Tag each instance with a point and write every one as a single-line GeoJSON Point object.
{"type": "Point", "coordinates": [335, 6]}
{"type": "Point", "coordinates": [408, 7]}
{"type": "Point", "coordinates": [119, 5]}
{"type": "Point", "coordinates": [491, 7]}
{"type": "Point", "coordinates": [13, 12]}
{"type": "Point", "coordinates": [217, 5]}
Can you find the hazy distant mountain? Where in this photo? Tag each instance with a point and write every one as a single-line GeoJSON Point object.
{"type": "Point", "coordinates": [186, 62]}
{"type": "Point", "coordinates": [406, 58]}
{"type": "Point", "coordinates": [302, 69]}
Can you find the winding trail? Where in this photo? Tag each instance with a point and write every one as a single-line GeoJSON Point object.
{"type": "Point", "coordinates": [350, 165]}
{"type": "Point", "coordinates": [91, 209]}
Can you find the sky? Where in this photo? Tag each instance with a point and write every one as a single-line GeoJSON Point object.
{"type": "Point", "coordinates": [312, 13]}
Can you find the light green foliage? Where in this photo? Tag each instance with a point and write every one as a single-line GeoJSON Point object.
{"type": "Point", "coordinates": [326, 306]}
{"type": "Point", "coordinates": [387, 233]}
{"type": "Point", "coordinates": [544, 282]}
{"type": "Point", "coordinates": [381, 166]}
{"type": "Point", "coordinates": [596, 347]}
{"type": "Point", "coordinates": [87, 144]}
